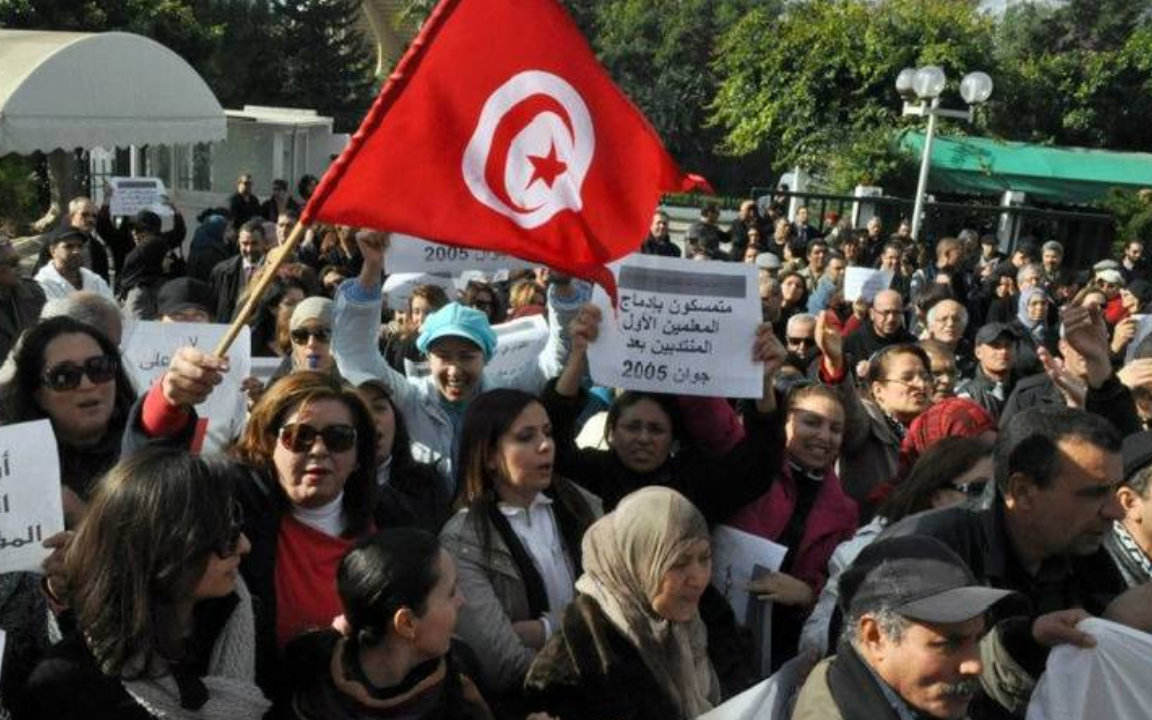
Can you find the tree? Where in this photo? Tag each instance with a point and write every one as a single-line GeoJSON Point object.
{"type": "Point", "coordinates": [814, 85]}
{"type": "Point", "coordinates": [327, 64]}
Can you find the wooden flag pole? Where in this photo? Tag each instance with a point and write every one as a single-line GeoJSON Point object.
{"type": "Point", "coordinates": [282, 253]}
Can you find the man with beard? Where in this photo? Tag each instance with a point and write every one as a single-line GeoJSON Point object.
{"type": "Point", "coordinates": [231, 276]}
{"type": "Point", "coordinates": [915, 616]}
{"type": "Point", "coordinates": [65, 274]}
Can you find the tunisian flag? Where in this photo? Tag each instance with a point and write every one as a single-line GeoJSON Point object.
{"type": "Point", "coordinates": [499, 130]}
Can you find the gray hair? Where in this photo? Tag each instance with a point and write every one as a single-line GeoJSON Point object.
{"type": "Point", "coordinates": [89, 308]}
{"type": "Point", "coordinates": [797, 319]}
{"type": "Point", "coordinates": [1054, 247]}
{"type": "Point", "coordinates": [963, 312]}
{"type": "Point", "coordinates": [1023, 272]}
{"type": "Point", "coordinates": [77, 204]}
{"type": "Point", "coordinates": [891, 624]}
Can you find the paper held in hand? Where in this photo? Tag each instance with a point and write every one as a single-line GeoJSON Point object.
{"type": "Point", "coordinates": [684, 327]}
{"type": "Point", "coordinates": [408, 254]}
{"type": "Point", "coordinates": [148, 347]}
{"type": "Point", "coordinates": [31, 506]}
{"type": "Point", "coordinates": [131, 195]}
{"type": "Point", "coordinates": [863, 283]}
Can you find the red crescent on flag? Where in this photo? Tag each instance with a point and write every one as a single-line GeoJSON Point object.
{"type": "Point", "coordinates": [511, 124]}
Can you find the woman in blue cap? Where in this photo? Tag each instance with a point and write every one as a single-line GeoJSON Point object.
{"type": "Point", "coordinates": [459, 343]}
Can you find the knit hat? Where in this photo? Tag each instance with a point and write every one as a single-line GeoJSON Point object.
{"type": "Point", "coordinates": [456, 320]}
{"type": "Point", "coordinates": [313, 308]}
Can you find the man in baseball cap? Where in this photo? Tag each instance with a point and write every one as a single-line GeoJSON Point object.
{"type": "Point", "coordinates": [914, 617]}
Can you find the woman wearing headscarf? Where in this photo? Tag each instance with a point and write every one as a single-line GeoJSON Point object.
{"type": "Point", "coordinates": [632, 645]}
{"type": "Point", "coordinates": [1034, 330]}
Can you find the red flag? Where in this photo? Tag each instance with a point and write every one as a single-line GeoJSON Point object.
{"type": "Point", "coordinates": [499, 130]}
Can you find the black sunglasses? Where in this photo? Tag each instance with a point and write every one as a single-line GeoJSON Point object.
{"type": "Point", "coordinates": [299, 437]}
{"type": "Point", "coordinates": [68, 375]}
{"type": "Point", "coordinates": [300, 335]}
{"type": "Point", "coordinates": [806, 342]}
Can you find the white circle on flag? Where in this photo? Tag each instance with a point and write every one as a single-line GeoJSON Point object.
{"type": "Point", "coordinates": [531, 149]}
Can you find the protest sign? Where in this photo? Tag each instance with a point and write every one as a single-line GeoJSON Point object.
{"type": "Point", "coordinates": [771, 699]}
{"type": "Point", "coordinates": [863, 283]}
{"type": "Point", "coordinates": [31, 506]}
{"type": "Point", "coordinates": [683, 327]}
{"type": "Point", "coordinates": [408, 254]}
{"type": "Point", "coordinates": [739, 557]}
{"type": "Point", "coordinates": [148, 347]}
{"type": "Point", "coordinates": [398, 287]}
{"type": "Point", "coordinates": [1143, 329]}
{"type": "Point", "coordinates": [518, 343]}
{"type": "Point", "coordinates": [131, 195]}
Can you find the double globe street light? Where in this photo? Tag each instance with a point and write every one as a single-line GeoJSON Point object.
{"type": "Point", "coordinates": [925, 85]}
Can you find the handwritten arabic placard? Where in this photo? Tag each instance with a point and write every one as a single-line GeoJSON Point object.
{"type": "Point", "coordinates": [684, 327]}
{"type": "Point", "coordinates": [31, 507]}
{"type": "Point", "coordinates": [131, 195]}
{"type": "Point", "coordinates": [518, 343]}
{"type": "Point", "coordinates": [864, 283]}
{"type": "Point", "coordinates": [148, 347]}
{"type": "Point", "coordinates": [407, 254]}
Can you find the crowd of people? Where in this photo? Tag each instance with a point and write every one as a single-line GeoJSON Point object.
{"type": "Point", "coordinates": [957, 467]}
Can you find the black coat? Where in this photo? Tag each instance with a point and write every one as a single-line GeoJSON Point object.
{"type": "Point", "coordinates": [589, 670]}
{"type": "Point", "coordinates": [227, 282]}
{"type": "Point", "coordinates": [19, 310]}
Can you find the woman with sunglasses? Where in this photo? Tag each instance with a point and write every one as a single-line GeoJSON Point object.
{"type": "Point", "coordinates": [310, 444]}
{"type": "Point", "coordinates": [899, 384]}
{"type": "Point", "coordinates": [70, 373]}
{"type": "Point", "coordinates": [163, 625]}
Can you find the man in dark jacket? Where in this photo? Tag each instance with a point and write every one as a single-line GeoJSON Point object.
{"type": "Point", "coordinates": [705, 234]}
{"type": "Point", "coordinates": [231, 276]}
{"type": "Point", "coordinates": [992, 382]}
{"type": "Point", "coordinates": [748, 220]}
{"type": "Point", "coordinates": [658, 242]}
{"type": "Point", "coordinates": [1057, 471]}
{"type": "Point", "coordinates": [21, 299]}
{"type": "Point", "coordinates": [242, 204]}
{"type": "Point", "coordinates": [885, 327]}
{"type": "Point", "coordinates": [915, 617]}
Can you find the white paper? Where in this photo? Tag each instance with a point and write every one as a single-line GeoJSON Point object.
{"type": "Point", "coordinates": [398, 287]}
{"type": "Point", "coordinates": [735, 556]}
{"type": "Point", "coordinates": [31, 505]}
{"type": "Point", "coordinates": [864, 283]}
{"type": "Point", "coordinates": [408, 254]}
{"type": "Point", "coordinates": [771, 699]}
{"type": "Point", "coordinates": [263, 368]}
{"type": "Point", "coordinates": [518, 343]}
{"type": "Point", "coordinates": [1109, 680]}
{"type": "Point", "coordinates": [414, 369]}
{"type": "Point", "coordinates": [684, 327]}
{"type": "Point", "coordinates": [1143, 328]}
{"type": "Point", "coordinates": [148, 347]}
{"type": "Point", "coordinates": [132, 194]}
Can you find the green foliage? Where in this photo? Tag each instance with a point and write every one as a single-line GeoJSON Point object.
{"type": "Point", "coordinates": [820, 94]}
{"type": "Point", "coordinates": [327, 63]}
{"type": "Point", "coordinates": [18, 191]}
{"type": "Point", "coordinates": [1132, 210]}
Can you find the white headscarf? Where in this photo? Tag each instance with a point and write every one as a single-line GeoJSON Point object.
{"type": "Point", "coordinates": [626, 555]}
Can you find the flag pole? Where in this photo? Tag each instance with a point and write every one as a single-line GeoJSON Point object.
{"type": "Point", "coordinates": [283, 252]}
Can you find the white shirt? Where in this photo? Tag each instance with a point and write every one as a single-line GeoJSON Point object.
{"type": "Point", "coordinates": [538, 533]}
{"type": "Point", "coordinates": [56, 287]}
{"type": "Point", "coordinates": [328, 518]}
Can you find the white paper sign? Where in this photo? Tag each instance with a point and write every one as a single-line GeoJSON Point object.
{"type": "Point", "coordinates": [771, 699]}
{"type": "Point", "coordinates": [31, 506]}
{"type": "Point", "coordinates": [412, 254]}
{"type": "Point", "coordinates": [684, 327]}
{"type": "Point", "coordinates": [864, 283]}
{"type": "Point", "coordinates": [735, 556]}
{"type": "Point", "coordinates": [1143, 329]}
{"type": "Point", "coordinates": [148, 347]}
{"type": "Point", "coordinates": [131, 195]}
{"type": "Point", "coordinates": [518, 343]}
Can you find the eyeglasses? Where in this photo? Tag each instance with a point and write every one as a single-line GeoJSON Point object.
{"type": "Point", "coordinates": [300, 437]}
{"type": "Point", "coordinates": [971, 489]}
{"type": "Point", "coordinates": [906, 380]}
{"type": "Point", "coordinates": [300, 335]}
{"type": "Point", "coordinates": [888, 313]}
{"type": "Point", "coordinates": [806, 342]}
{"type": "Point", "coordinates": [68, 375]}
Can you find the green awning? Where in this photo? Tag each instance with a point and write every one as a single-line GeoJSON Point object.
{"type": "Point", "coordinates": [1071, 175]}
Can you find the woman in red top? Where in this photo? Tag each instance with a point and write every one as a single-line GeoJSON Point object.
{"type": "Point", "coordinates": [806, 510]}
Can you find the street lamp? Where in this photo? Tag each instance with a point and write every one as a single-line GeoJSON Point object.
{"type": "Point", "coordinates": [925, 85]}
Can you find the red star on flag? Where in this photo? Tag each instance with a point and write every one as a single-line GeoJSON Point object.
{"type": "Point", "coordinates": [546, 168]}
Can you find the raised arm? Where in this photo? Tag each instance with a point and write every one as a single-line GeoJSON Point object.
{"type": "Point", "coordinates": [565, 299]}
{"type": "Point", "coordinates": [834, 372]}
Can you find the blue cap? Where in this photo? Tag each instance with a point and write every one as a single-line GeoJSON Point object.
{"type": "Point", "coordinates": [456, 320]}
